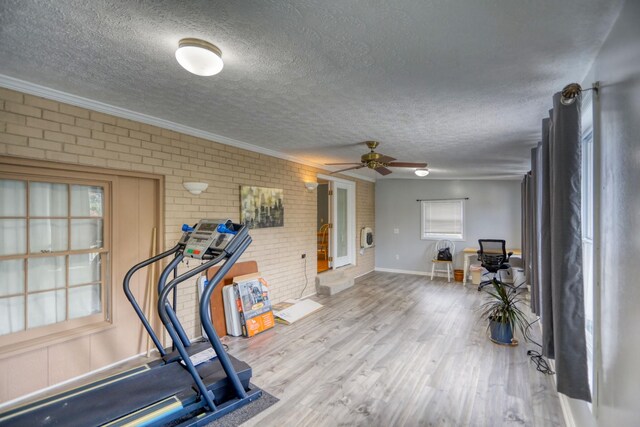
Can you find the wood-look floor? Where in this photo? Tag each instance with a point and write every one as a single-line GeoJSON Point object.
{"type": "Point", "coordinates": [396, 350]}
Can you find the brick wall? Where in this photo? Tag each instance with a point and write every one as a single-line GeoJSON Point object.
{"type": "Point", "coordinates": [38, 128]}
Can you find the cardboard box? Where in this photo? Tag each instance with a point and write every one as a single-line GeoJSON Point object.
{"type": "Point", "coordinates": [253, 303]}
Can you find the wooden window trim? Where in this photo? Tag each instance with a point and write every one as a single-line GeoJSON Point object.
{"type": "Point", "coordinates": [66, 326]}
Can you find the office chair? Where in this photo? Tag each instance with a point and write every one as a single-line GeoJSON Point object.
{"type": "Point", "coordinates": [494, 257]}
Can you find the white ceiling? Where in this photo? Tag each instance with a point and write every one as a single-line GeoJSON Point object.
{"type": "Point", "coordinates": [459, 84]}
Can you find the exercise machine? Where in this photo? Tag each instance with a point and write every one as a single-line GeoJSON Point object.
{"type": "Point", "coordinates": [191, 384]}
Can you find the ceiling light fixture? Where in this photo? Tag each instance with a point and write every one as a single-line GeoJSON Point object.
{"type": "Point", "coordinates": [199, 57]}
{"type": "Point", "coordinates": [422, 172]}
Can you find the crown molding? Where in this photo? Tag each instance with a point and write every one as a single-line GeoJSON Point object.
{"type": "Point", "coordinates": [90, 104]}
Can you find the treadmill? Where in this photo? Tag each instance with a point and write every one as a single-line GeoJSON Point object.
{"type": "Point", "coordinates": [191, 385]}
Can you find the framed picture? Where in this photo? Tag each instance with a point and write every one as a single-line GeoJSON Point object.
{"type": "Point", "coordinates": [261, 207]}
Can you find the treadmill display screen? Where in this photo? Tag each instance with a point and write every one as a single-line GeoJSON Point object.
{"type": "Point", "coordinates": [208, 226]}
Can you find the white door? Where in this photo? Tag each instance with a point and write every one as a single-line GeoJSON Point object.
{"type": "Point", "coordinates": [343, 220]}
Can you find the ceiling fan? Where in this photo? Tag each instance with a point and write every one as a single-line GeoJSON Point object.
{"type": "Point", "coordinates": [376, 161]}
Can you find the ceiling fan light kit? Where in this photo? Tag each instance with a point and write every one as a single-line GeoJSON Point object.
{"type": "Point", "coordinates": [199, 57]}
{"type": "Point", "coordinates": [422, 172]}
{"type": "Point", "coordinates": [376, 161]}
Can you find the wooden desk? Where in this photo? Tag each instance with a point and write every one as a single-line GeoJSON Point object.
{"type": "Point", "coordinates": [468, 252]}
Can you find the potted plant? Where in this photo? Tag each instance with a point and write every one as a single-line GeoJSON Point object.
{"type": "Point", "coordinates": [503, 314]}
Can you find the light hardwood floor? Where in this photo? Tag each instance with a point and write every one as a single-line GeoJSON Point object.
{"type": "Point", "coordinates": [396, 350]}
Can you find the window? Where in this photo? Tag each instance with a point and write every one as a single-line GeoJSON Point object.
{"type": "Point", "coordinates": [587, 216]}
{"type": "Point", "coordinates": [442, 219]}
{"type": "Point", "coordinates": [53, 254]}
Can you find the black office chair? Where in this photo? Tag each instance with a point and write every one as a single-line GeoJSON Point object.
{"type": "Point", "coordinates": [494, 257]}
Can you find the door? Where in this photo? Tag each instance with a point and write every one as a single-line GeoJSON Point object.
{"type": "Point", "coordinates": [343, 220]}
{"type": "Point", "coordinates": [128, 207]}
{"type": "Point", "coordinates": [323, 234]}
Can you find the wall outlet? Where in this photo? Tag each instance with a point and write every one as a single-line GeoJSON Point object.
{"type": "Point", "coordinates": [304, 255]}
{"type": "Point", "coordinates": [396, 231]}
{"type": "Point", "coordinates": [397, 256]}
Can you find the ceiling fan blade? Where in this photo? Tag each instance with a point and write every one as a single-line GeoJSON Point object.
{"type": "Point", "coordinates": [383, 171]}
{"type": "Point", "coordinates": [347, 169]}
{"type": "Point", "coordinates": [385, 159]}
{"type": "Point", "coordinates": [407, 165]}
{"type": "Point", "coordinates": [338, 164]}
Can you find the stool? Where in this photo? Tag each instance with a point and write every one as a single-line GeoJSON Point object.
{"type": "Point", "coordinates": [449, 270]}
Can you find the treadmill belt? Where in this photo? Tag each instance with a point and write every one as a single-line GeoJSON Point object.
{"type": "Point", "coordinates": [101, 402]}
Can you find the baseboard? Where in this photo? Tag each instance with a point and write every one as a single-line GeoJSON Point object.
{"type": "Point", "coordinates": [395, 270]}
{"type": "Point", "coordinates": [566, 403]}
{"type": "Point", "coordinates": [418, 273]}
{"type": "Point", "coordinates": [363, 274]}
{"type": "Point", "coordinates": [313, 294]}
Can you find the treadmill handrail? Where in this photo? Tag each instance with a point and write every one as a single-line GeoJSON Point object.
{"type": "Point", "coordinates": [168, 320]}
{"type": "Point", "coordinates": [134, 302]}
{"type": "Point", "coordinates": [172, 266]}
{"type": "Point", "coordinates": [205, 313]}
{"type": "Point", "coordinates": [167, 315]}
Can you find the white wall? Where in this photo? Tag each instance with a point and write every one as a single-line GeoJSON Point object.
{"type": "Point", "coordinates": [492, 212]}
{"type": "Point", "coordinates": [617, 67]}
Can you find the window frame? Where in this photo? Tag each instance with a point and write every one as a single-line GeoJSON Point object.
{"type": "Point", "coordinates": [590, 235]}
{"type": "Point", "coordinates": [435, 236]}
{"type": "Point", "coordinates": [54, 331]}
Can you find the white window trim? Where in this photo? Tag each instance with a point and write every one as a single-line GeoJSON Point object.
{"type": "Point", "coordinates": [591, 123]}
{"type": "Point", "coordinates": [351, 209]}
{"type": "Point", "coordinates": [454, 238]}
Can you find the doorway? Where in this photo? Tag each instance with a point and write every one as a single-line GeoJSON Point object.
{"type": "Point", "coordinates": [323, 224]}
{"type": "Point", "coordinates": [336, 222]}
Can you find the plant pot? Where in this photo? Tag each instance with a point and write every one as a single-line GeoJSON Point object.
{"type": "Point", "coordinates": [501, 333]}
{"type": "Point", "coordinates": [458, 275]}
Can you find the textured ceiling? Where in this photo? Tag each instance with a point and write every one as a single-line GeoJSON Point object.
{"type": "Point", "coordinates": [459, 84]}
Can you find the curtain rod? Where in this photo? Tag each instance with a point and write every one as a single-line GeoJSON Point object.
{"type": "Point", "coordinates": [438, 200]}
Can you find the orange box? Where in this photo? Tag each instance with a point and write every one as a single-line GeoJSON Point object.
{"type": "Point", "coordinates": [258, 324]}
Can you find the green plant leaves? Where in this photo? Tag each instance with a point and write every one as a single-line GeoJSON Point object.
{"type": "Point", "coordinates": [503, 307]}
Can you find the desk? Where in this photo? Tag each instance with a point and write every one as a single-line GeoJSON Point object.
{"type": "Point", "coordinates": [469, 252]}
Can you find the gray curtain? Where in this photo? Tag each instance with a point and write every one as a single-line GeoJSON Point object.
{"type": "Point", "coordinates": [543, 204]}
{"type": "Point", "coordinates": [556, 258]}
{"type": "Point", "coordinates": [528, 237]}
{"type": "Point", "coordinates": [524, 219]}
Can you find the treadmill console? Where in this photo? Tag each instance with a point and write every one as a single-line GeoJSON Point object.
{"type": "Point", "coordinates": [209, 235]}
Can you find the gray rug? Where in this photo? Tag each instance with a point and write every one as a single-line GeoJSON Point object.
{"type": "Point", "coordinates": [246, 412]}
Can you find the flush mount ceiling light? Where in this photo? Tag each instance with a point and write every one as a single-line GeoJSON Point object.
{"type": "Point", "coordinates": [422, 172]}
{"type": "Point", "coordinates": [199, 57]}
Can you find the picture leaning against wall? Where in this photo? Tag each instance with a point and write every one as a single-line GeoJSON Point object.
{"type": "Point", "coordinates": [261, 207]}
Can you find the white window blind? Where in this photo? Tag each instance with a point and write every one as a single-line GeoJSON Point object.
{"type": "Point", "coordinates": [442, 219]}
